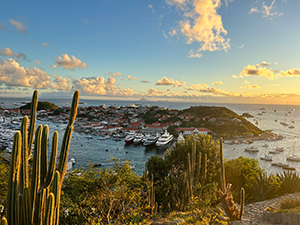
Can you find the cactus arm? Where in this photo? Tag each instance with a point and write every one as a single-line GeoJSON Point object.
{"type": "Point", "coordinates": [74, 107]}
{"type": "Point", "coordinates": [13, 182]}
{"type": "Point", "coordinates": [222, 173]}
{"type": "Point", "coordinates": [56, 192]}
{"type": "Point", "coordinates": [44, 153]}
{"type": "Point", "coordinates": [34, 104]}
{"type": "Point", "coordinates": [35, 180]}
{"type": "Point", "coordinates": [24, 159]}
{"type": "Point", "coordinates": [26, 206]}
{"type": "Point", "coordinates": [52, 162]}
{"type": "Point", "coordinates": [242, 203]}
{"type": "Point", "coordinates": [63, 160]}
{"type": "Point", "coordinates": [198, 169]}
{"type": "Point", "coordinates": [204, 173]}
{"type": "Point", "coordinates": [193, 161]}
{"type": "Point", "coordinates": [48, 219]}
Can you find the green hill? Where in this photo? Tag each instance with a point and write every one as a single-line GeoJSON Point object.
{"type": "Point", "coordinates": [41, 106]}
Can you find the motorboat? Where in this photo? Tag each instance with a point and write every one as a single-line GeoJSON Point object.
{"type": "Point", "coordinates": [165, 140]}
{"type": "Point", "coordinates": [138, 138]}
{"type": "Point", "coordinates": [288, 168]}
{"type": "Point", "coordinates": [151, 140]}
{"type": "Point", "coordinates": [274, 152]}
{"type": "Point", "coordinates": [266, 158]}
{"type": "Point", "coordinates": [280, 164]}
{"type": "Point", "coordinates": [251, 149]}
{"type": "Point", "coordinates": [293, 158]}
{"type": "Point", "coordinates": [279, 149]}
{"type": "Point", "coordinates": [129, 138]}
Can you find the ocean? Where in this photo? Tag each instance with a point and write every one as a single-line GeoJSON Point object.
{"type": "Point", "coordinates": [85, 150]}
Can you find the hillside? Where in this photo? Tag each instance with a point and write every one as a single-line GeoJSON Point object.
{"type": "Point", "coordinates": [220, 120]}
{"type": "Point", "coordinates": [41, 106]}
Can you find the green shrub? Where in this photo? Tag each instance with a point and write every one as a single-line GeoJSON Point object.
{"type": "Point", "coordinates": [289, 203]}
{"type": "Point", "coordinates": [289, 182]}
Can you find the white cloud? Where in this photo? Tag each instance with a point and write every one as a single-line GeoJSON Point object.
{"type": "Point", "coordinates": [170, 82]}
{"type": "Point", "coordinates": [268, 12]}
{"type": "Point", "coordinates": [8, 52]}
{"type": "Point", "coordinates": [12, 74]}
{"type": "Point", "coordinates": [202, 24]}
{"type": "Point", "coordinates": [165, 35]}
{"type": "Point", "coordinates": [241, 46]}
{"type": "Point", "coordinates": [69, 63]}
{"type": "Point", "coordinates": [18, 26]}
{"type": "Point", "coordinates": [263, 63]}
{"type": "Point", "coordinates": [61, 83]}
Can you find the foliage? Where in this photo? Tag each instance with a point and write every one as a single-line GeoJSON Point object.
{"type": "Point", "coordinates": [263, 187]}
{"type": "Point", "coordinates": [4, 170]}
{"type": "Point", "coordinates": [239, 172]}
{"type": "Point", "coordinates": [169, 172]}
{"type": "Point", "coordinates": [289, 203]}
{"type": "Point", "coordinates": [41, 106]}
{"type": "Point", "coordinates": [112, 195]}
{"type": "Point", "coordinates": [290, 182]}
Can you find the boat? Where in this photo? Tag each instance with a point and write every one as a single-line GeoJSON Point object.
{"type": "Point", "coordinates": [280, 164]}
{"type": "Point", "coordinates": [101, 138]}
{"type": "Point", "coordinates": [251, 149]}
{"type": "Point", "coordinates": [274, 152]}
{"type": "Point", "coordinates": [284, 124]}
{"type": "Point", "coordinates": [293, 157]}
{"type": "Point", "coordinates": [129, 138]}
{"type": "Point", "coordinates": [82, 103]}
{"type": "Point", "coordinates": [288, 168]}
{"type": "Point", "coordinates": [72, 160]}
{"type": "Point", "coordinates": [116, 139]}
{"type": "Point", "coordinates": [138, 138]}
{"type": "Point", "coordinates": [291, 127]}
{"type": "Point", "coordinates": [265, 145]}
{"type": "Point", "coordinates": [164, 140]}
{"type": "Point", "coordinates": [150, 140]}
{"type": "Point", "coordinates": [279, 149]}
{"type": "Point", "coordinates": [89, 137]}
{"type": "Point", "coordinates": [97, 165]}
{"type": "Point", "coordinates": [266, 158]}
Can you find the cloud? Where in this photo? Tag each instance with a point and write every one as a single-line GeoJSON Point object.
{"type": "Point", "coordinates": [253, 70]}
{"type": "Point", "coordinates": [218, 91]}
{"type": "Point", "coordinates": [197, 86]}
{"type": "Point", "coordinates": [115, 74]}
{"type": "Point", "coordinates": [165, 35]}
{"type": "Point", "coordinates": [12, 74]}
{"type": "Point", "coordinates": [37, 62]}
{"type": "Point", "coordinates": [241, 46]}
{"type": "Point", "coordinates": [45, 44]}
{"type": "Point", "coordinates": [18, 26]}
{"type": "Point", "coordinates": [234, 76]}
{"type": "Point", "coordinates": [3, 26]}
{"type": "Point", "coordinates": [54, 66]}
{"type": "Point", "coordinates": [251, 86]}
{"type": "Point", "coordinates": [171, 82]}
{"type": "Point", "coordinates": [290, 73]}
{"type": "Point", "coordinates": [132, 78]}
{"type": "Point", "coordinates": [173, 32]}
{"type": "Point", "coordinates": [202, 24]}
{"type": "Point", "coordinates": [8, 52]}
{"type": "Point", "coordinates": [145, 81]}
{"type": "Point", "coordinates": [155, 92]}
{"type": "Point", "coordinates": [151, 7]}
{"type": "Point", "coordinates": [61, 83]}
{"type": "Point", "coordinates": [246, 82]}
{"type": "Point", "coordinates": [218, 83]}
{"type": "Point", "coordinates": [267, 12]}
{"type": "Point", "coordinates": [276, 64]}
{"type": "Point", "coordinates": [69, 63]}
{"type": "Point", "coordinates": [263, 63]}
{"type": "Point", "coordinates": [191, 54]}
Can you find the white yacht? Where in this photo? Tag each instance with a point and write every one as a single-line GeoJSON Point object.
{"type": "Point", "coordinates": [151, 140]}
{"type": "Point", "coordinates": [138, 138]}
{"type": "Point", "coordinates": [164, 140]}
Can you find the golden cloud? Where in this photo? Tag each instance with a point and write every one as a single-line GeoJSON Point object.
{"type": "Point", "coordinates": [18, 26]}
{"type": "Point", "coordinates": [8, 52]}
{"type": "Point", "coordinates": [251, 86]}
{"type": "Point", "coordinates": [290, 73]}
{"type": "Point", "coordinates": [171, 82]}
{"type": "Point", "coordinates": [218, 83]}
{"type": "Point", "coordinates": [202, 24]}
{"type": "Point", "coordinates": [61, 83]}
{"type": "Point", "coordinates": [132, 78]}
{"type": "Point", "coordinates": [253, 70]}
{"type": "Point", "coordinates": [69, 63]}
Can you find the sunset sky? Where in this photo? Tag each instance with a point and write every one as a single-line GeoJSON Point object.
{"type": "Point", "coordinates": [221, 51]}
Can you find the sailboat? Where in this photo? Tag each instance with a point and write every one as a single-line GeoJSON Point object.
{"type": "Point", "coordinates": [293, 157]}
{"type": "Point", "coordinates": [266, 157]}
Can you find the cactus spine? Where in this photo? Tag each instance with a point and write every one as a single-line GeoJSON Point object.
{"type": "Point", "coordinates": [37, 204]}
{"type": "Point", "coordinates": [225, 197]}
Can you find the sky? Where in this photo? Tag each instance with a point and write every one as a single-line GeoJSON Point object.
{"type": "Point", "coordinates": [223, 51]}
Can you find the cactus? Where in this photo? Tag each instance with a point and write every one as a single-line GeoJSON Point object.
{"type": "Point", "coordinates": [226, 199]}
{"type": "Point", "coordinates": [35, 203]}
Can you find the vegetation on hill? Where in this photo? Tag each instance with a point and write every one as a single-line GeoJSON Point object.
{"type": "Point", "coordinates": [41, 106]}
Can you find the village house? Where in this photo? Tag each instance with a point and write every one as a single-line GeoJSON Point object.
{"type": "Point", "coordinates": [192, 130]}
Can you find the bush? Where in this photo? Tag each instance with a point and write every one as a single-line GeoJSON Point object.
{"type": "Point", "coordinates": [290, 182]}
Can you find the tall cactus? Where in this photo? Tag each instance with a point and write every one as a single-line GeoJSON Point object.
{"type": "Point", "coordinates": [226, 198]}
{"type": "Point", "coordinates": [37, 203]}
